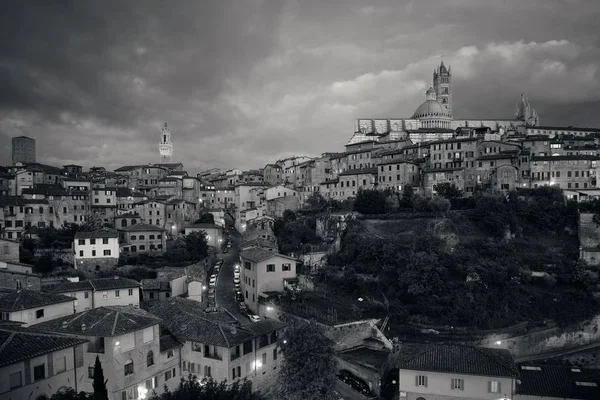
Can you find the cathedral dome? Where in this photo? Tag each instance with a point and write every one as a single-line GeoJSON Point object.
{"type": "Point", "coordinates": [430, 108]}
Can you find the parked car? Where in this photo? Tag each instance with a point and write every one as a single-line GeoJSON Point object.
{"type": "Point", "coordinates": [228, 244]}
{"type": "Point", "coordinates": [236, 275]}
{"type": "Point", "coordinates": [236, 280]}
{"type": "Point", "coordinates": [225, 250]}
{"type": "Point", "coordinates": [213, 280]}
{"type": "Point", "coordinates": [354, 382]}
{"type": "Point", "coordinates": [254, 317]}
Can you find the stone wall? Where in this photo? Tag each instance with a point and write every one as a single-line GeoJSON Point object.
{"type": "Point", "coordinates": [95, 265]}
{"type": "Point", "coordinates": [64, 254]}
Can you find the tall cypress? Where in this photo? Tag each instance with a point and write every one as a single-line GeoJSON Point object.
{"type": "Point", "coordinates": [100, 391]}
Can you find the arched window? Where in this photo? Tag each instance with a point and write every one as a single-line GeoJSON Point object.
{"type": "Point", "coordinates": [150, 358]}
{"type": "Point", "coordinates": [123, 223]}
{"type": "Point", "coordinates": [142, 247]}
{"type": "Point", "coordinates": [133, 237]}
{"type": "Point", "coordinates": [142, 237]}
{"type": "Point", "coordinates": [158, 222]}
{"type": "Point", "coordinates": [152, 247]}
{"type": "Point", "coordinates": [151, 237]}
{"type": "Point", "coordinates": [133, 221]}
{"type": "Point", "coordinates": [133, 249]}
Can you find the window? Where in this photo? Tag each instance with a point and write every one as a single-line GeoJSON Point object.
{"type": "Point", "coordinates": [128, 367]}
{"type": "Point", "coordinates": [207, 371]}
{"type": "Point", "coordinates": [142, 237]}
{"type": "Point", "coordinates": [131, 292]}
{"type": "Point", "coordinates": [60, 365]}
{"type": "Point", "coordinates": [133, 237]}
{"type": "Point", "coordinates": [151, 237]}
{"type": "Point", "coordinates": [91, 371]}
{"type": "Point", "coordinates": [92, 241]}
{"type": "Point", "coordinates": [93, 253]}
{"type": "Point", "coordinates": [150, 358]}
{"type": "Point", "coordinates": [494, 387]}
{"type": "Point", "coordinates": [264, 359]}
{"type": "Point", "coordinates": [81, 242]}
{"type": "Point", "coordinates": [170, 354]}
{"type": "Point", "coordinates": [105, 295]}
{"type": "Point", "coordinates": [270, 267]}
{"type": "Point", "coordinates": [274, 354]}
{"type": "Point", "coordinates": [168, 375]}
{"type": "Point", "coordinates": [421, 380]}
{"type": "Point", "coordinates": [107, 252]}
{"type": "Point", "coordinates": [117, 293]}
{"type": "Point", "coordinates": [105, 241]}
{"type": "Point", "coordinates": [80, 253]}
{"type": "Point", "coordinates": [39, 372]}
{"type": "Point", "coordinates": [39, 313]}
{"type": "Point", "coordinates": [86, 295]}
{"type": "Point", "coordinates": [15, 380]}
{"type": "Point", "coordinates": [148, 334]}
{"type": "Point", "coordinates": [458, 384]}
{"type": "Point", "coordinates": [286, 267]}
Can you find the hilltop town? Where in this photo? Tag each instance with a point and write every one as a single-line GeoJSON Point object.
{"type": "Point", "coordinates": [430, 238]}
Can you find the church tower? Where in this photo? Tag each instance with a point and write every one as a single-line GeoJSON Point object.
{"type": "Point", "coordinates": [166, 146]}
{"type": "Point", "coordinates": [442, 84]}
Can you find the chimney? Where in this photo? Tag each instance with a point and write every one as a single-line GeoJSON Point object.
{"type": "Point", "coordinates": [83, 327]}
{"type": "Point", "coordinates": [233, 329]}
{"type": "Point", "coordinates": [65, 324]}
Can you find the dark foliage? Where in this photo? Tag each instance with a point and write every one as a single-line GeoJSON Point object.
{"type": "Point", "coordinates": [191, 248]}
{"type": "Point", "coordinates": [206, 218]}
{"type": "Point", "coordinates": [193, 389]}
{"type": "Point", "coordinates": [294, 231]}
{"type": "Point", "coordinates": [371, 201]}
{"type": "Point", "coordinates": [309, 367]}
{"type": "Point", "coordinates": [448, 191]}
{"type": "Point", "coordinates": [71, 394]}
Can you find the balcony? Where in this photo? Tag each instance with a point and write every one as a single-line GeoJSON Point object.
{"type": "Point", "coordinates": [213, 356]}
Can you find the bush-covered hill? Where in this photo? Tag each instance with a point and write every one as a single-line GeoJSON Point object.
{"type": "Point", "coordinates": [472, 267]}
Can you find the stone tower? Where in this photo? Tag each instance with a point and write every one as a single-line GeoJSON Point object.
{"type": "Point", "coordinates": [442, 84]}
{"type": "Point", "coordinates": [166, 146]}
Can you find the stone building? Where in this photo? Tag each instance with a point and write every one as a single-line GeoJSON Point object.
{"type": "Point", "coordinates": [96, 251]}
{"type": "Point", "coordinates": [33, 307]}
{"type": "Point", "coordinates": [99, 292]}
{"type": "Point", "coordinates": [142, 238]}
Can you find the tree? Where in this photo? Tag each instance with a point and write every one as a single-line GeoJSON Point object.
{"type": "Point", "coordinates": [316, 202]}
{"type": "Point", "coordinates": [206, 218]}
{"type": "Point", "coordinates": [407, 196]}
{"type": "Point", "coordinates": [371, 201]}
{"type": "Point", "coordinates": [196, 245]}
{"type": "Point", "coordinates": [71, 394]}
{"type": "Point", "coordinates": [309, 368]}
{"type": "Point", "coordinates": [99, 384]}
{"type": "Point", "coordinates": [448, 191]}
{"type": "Point", "coordinates": [44, 265]}
{"type": "Point", "coordinates": [192, 389]}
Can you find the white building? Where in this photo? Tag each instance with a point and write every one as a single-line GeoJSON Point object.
{"type": "Point", "coordinates": [214, 233]}
{"type": "Point", "coordinates": [96, 251]}
{"type": "Point", "coordinates": [33, 307]}
{"type": "Point", "coordinates": [34, 364]}
{"type": "Point", "coordinates": [127, 342]}
{"type": "Point", "coordinates": [265, 271]}
{"type": "Point", "coordinates": [450, 371]}
{"type": "Point", "coordinates": [101, 292]}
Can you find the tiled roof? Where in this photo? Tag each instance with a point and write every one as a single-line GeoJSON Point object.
{"type": "Point", "coordinates": [562, 158]}
{"type": "Point", "coordinates": [168, 342]}
{"type": "Point", "coordinates": [102, 233]}
{"type": "Point", "coordinates": [27, 299]}
{"type": "Point", "coordinates": [151, 284]}
{"type": "Point", "coordinates": [102, 321]}
{"type": "Point", "coordinates": [188, 320]}
{"type": "Point", "coordinates": [142, 228]}
{"type": "Point", "coordinates": [566, 128]}
{"type": "Point", "coordinates": [258, 255]}
{"type": "Point", "coordinates": [20, 344]}
{"type": "Point", "coordinates": [97, 285]}
{"type": "Point", "coordinates": [458, 359]}
{"type": "Point", "coordinates": [555, 381]}
{"type": "Point", "coordinates": [365, 357]}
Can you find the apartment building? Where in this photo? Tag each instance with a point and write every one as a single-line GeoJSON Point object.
{"type": "Point", "coordinates": [396, 174]}
{"type": "Point", "coordinates": [265, 271]}
{"type": "Point", "coordinates": [142, 238]}
{"type": "Point", "coordinates": [566, 172]}
{"type": "Point", "coordinates": [101, 292]}
{"type": "Point", "coordinates": [127, 342]}
{"type": "Point", "coordinates": [449, 371]}
{"type": "Point", "coordinates": [96, 251]}
{"type": "Point", "coordinates": [17, 276]}
{"type": "Point", "coordinates": [557, 382]}
{"type": "Point", "coordinates": [33, 307]}
{"type": "Point", "coordinates": [272, 174]}
{"type": "Point", "coordinates": [34, 364]}
{"type": "Point", "coordinates": [216, 345]}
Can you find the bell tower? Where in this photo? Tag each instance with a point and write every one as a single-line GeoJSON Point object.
{"type": "Point", "coordinates": [442, 84]}
{"type": "Point", "coordinates": [165, 146]}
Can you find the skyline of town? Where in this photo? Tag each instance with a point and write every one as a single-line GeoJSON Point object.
{"type": "Point", "coordinates": [101, 89]}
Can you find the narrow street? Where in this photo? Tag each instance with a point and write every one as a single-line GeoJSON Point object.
{"type": "Point", "coordinates": [225, 289]}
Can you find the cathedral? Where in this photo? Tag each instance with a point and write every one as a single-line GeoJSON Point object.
{"type": "Point", "coordinates": [433, 119]}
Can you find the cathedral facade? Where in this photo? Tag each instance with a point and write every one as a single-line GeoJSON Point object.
{"type": "Point", "coordinates": [434, 120]}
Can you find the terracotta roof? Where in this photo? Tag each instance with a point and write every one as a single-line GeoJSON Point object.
{"type": "Point", "coordinates": [19, 344]}
{"type": "Point", "coordinates": [359, 171]}
{"type": "Point", "coordinates": [365, 357]}
{"type": "Point", "coordinates": [102, 321]}
{"type": "Point", "coordinates": [555, 381]}
{"type": "Point", "coordinates": [97, 285]}
{"type": "Point", "coordinates": [103, 233]}
{"type": "Point", "coordinates": [188, 320]}
{"type": "Point", "coordinates": [27, 299]}
{"type": "Point", "coordinates": [258, 255]}
{"type": "Point", "coordinates": [562, 158]}
{"type": "Point", "coordinates": [168, 342]}
{"type": "Point", "coordinates": [142, 228]}
{"type": "Point", "coordinates": [458, 359]}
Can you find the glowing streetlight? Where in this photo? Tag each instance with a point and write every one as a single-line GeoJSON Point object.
{"type": "Point", "coordinates": [204, 287]}
{"type": "Point", "coordinates": [284, 341]}
{"type": "Point", "coordinates": [269, 308]}
{"type": "Point", "coordinates": [117, 343]}
{"type": "Point", "coordinates": [360, 299]}
{"type": "Point", "coordinates": [499, 342]}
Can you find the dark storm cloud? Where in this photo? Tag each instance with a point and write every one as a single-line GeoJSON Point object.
{"type": "Point", "coordinates": [242, 83]}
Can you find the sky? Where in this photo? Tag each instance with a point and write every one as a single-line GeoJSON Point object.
{"type": "Point", "coordinates": [243, 83]}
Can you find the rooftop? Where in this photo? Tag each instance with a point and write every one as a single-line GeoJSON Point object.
{"type": "Point", "coordinates": [189, 320]}
{"type": "Point", "coordinates": [20, 344]}
{"type": "Point", "coordinates": [359, 171]}
{"type": "Point", "coordinates": [458, 359]}
{"type": "Point", "coordinates": [96, 285]}
{"type": "Point", "coordinates": [559, 382]}
{"type": "Point", "coordinates": [258, 255]}
{"type": "Point", "coordinates": [27, 299]}
{"type": "Point", "coordinates": [102, 233]}
{"type": "Point", "coordinates": [101, 322]}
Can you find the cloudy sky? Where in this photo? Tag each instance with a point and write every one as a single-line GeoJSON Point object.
{"type": "Point", "coordinates": [245, 82]}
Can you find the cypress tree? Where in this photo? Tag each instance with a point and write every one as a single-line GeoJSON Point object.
{"type": "Point", "coordinates": [100, 391]}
